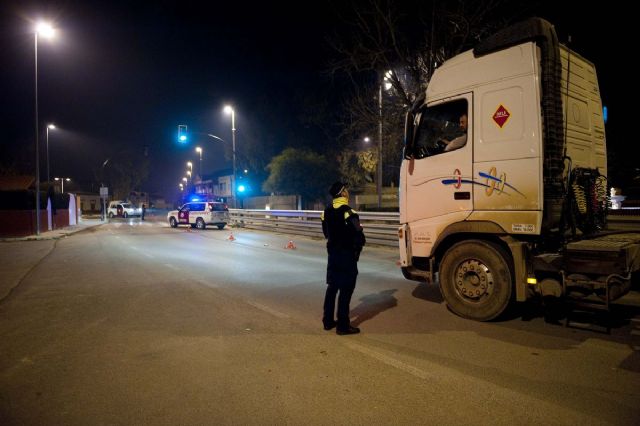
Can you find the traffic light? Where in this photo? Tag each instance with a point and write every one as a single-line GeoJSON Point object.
{"type": "Point", "coordinates": [182, 133]}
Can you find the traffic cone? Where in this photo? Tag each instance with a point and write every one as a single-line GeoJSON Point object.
{"type": "Point", "coordinates": [231, 237]}
{"type": "Point", "coordinates": [290, 245]}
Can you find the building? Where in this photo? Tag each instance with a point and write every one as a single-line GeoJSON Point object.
{"type": "Point", "coordinates": [215, 186]}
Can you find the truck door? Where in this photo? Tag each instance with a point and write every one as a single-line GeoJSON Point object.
{"type": "Point", "coordinates": [439, 176]}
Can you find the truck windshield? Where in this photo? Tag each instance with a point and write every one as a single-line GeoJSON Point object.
{"type": "Point", "coordinates": [438, 126]}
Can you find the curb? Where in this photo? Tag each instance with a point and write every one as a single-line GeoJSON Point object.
{"type": "Point", "coordinates": [54, 234]}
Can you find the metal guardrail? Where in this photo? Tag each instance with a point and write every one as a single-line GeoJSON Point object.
{"type": "Point", "coordinates": [380, 228]}
{"type": "Point", "coordinates": [624, 219]}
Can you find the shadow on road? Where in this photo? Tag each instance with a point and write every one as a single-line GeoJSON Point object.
{"type": "Point", "coordinates": [372, 305]}
{"type": "Point", "coordinates": [429, 292]}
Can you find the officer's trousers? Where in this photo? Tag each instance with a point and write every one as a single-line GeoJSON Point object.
{"type": "Point", "coordinates": [342, 271]}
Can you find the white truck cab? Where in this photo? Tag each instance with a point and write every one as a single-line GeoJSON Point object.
{"type": "Point", "coordinates": [519, 207]}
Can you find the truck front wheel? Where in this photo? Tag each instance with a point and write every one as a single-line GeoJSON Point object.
{"type": "Point", "coordinates": [476, 280]}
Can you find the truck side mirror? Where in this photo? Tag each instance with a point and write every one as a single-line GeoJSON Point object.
{"type": "Point", "coordinates": [408, 135]}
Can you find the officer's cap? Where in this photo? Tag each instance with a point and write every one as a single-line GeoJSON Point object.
{"type": "Point", "coordinates": [337, 188]}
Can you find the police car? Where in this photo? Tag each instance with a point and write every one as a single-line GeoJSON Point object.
{"type": "Point", "coordinates": [200, 214]}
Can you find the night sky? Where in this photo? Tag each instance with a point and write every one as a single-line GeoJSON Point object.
{"type": "Point", "coordinates": [121, 76]}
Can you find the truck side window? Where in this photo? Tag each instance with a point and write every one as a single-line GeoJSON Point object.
{"type": "Point", "coordinates": [441, 128]}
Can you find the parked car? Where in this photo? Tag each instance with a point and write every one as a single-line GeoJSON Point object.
{"type": "Point", "coordinates": [200, 214]}
{"type": "Point", "coordinates": [123, 209]}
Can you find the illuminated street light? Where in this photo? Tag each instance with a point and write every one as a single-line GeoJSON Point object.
{"type": "Point", "coordinates": [49, 127]}
{"type": "Point", "coordinates": [229, 110]}
{"type": "Point", "coordinates": [387, 85]}
{"type": "Point", "coordinates": [45, 30]}
{"type": "Point", "coordinates": [199, 151]}
{"type": "Point", "coordinates": [367, 139]}
{"type": "Point", "coordinates": [62, 179]}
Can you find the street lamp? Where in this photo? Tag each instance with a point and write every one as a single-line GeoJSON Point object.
{"type": "Point", "coordinates": [47, 31]}
{"type": "Point", "coordinates": [190, 166]}
{"type": "Point", "coordinates": [49, 127]}
{"type": "Point", "coordinates": [199, 151]}
{"type": "Point", "coordinates": [62, 183]}
{"type": "Point", "coordinates": [229, 110]}
{"type": "Point", "coordinates": [387, 85]}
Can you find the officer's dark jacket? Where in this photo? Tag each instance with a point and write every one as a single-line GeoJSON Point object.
{"type": "Point", "coordinates": [341, 227]}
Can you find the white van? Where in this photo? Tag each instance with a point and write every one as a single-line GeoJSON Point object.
{"type": "Point", "coordinates": [123, 209]}
{"type": "Point", "coordinates": [200, 214]}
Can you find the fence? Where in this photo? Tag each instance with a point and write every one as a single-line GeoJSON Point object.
{"type": "Point", "coordinates": [380, 228]}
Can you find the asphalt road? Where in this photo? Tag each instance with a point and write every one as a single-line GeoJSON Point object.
{"type": "Point", "coordinates": [138, 323]}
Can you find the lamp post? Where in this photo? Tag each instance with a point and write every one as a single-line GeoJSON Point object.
{"type": "Point", "coordinates": [383, 82]}
{"type": "Point", "coordinates": [47, 31]}
{"type": "Point", "coordinates": [199, 151]}
{"type": "Point", "coordinates": [49, 127]}
{"type": "Point", "coordinates": [62, 179]}
{"type": "Point", "coordinates": [229, 110]}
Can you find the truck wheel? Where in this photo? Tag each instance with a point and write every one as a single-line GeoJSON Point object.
{"type": "Point", "coordinates": [110, 215]}
{"type": "Point", "coordinates": [125, 215]}
{"type": "Point", "coordinates": [173, 222]}
{"type": "Point", "coordinates": [200, 223]}
{"type": "Point", "coordinates": [221, 227]}
{"type": "Point", "coordinates": [476, 280]}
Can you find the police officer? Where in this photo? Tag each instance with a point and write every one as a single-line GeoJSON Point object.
{"type": "Point", "coordinates": [345, 239]}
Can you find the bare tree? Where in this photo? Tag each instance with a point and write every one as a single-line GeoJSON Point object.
{"type": "Point", "coordinates": [403, 44]}
{"type": "Point", "coordinates": [124, 172]}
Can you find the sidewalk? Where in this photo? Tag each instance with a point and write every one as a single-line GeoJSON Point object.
{"type": "Point", "coordinates": [58, 233]}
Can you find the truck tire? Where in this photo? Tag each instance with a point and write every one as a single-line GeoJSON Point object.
{"type": "Point", "coordinates": [476, 279]}
{"type": "Point", "coordinates": [173, 222]}
{"type": "Point", "coordinates": [200, 223]}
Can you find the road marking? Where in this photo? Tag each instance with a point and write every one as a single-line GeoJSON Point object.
{"type": "Point", "coordinates": [168, 265]}
{"type": "Point", "coordinates": [414, 371]}
{"type": "Point", "coordinates": [267, 309]}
